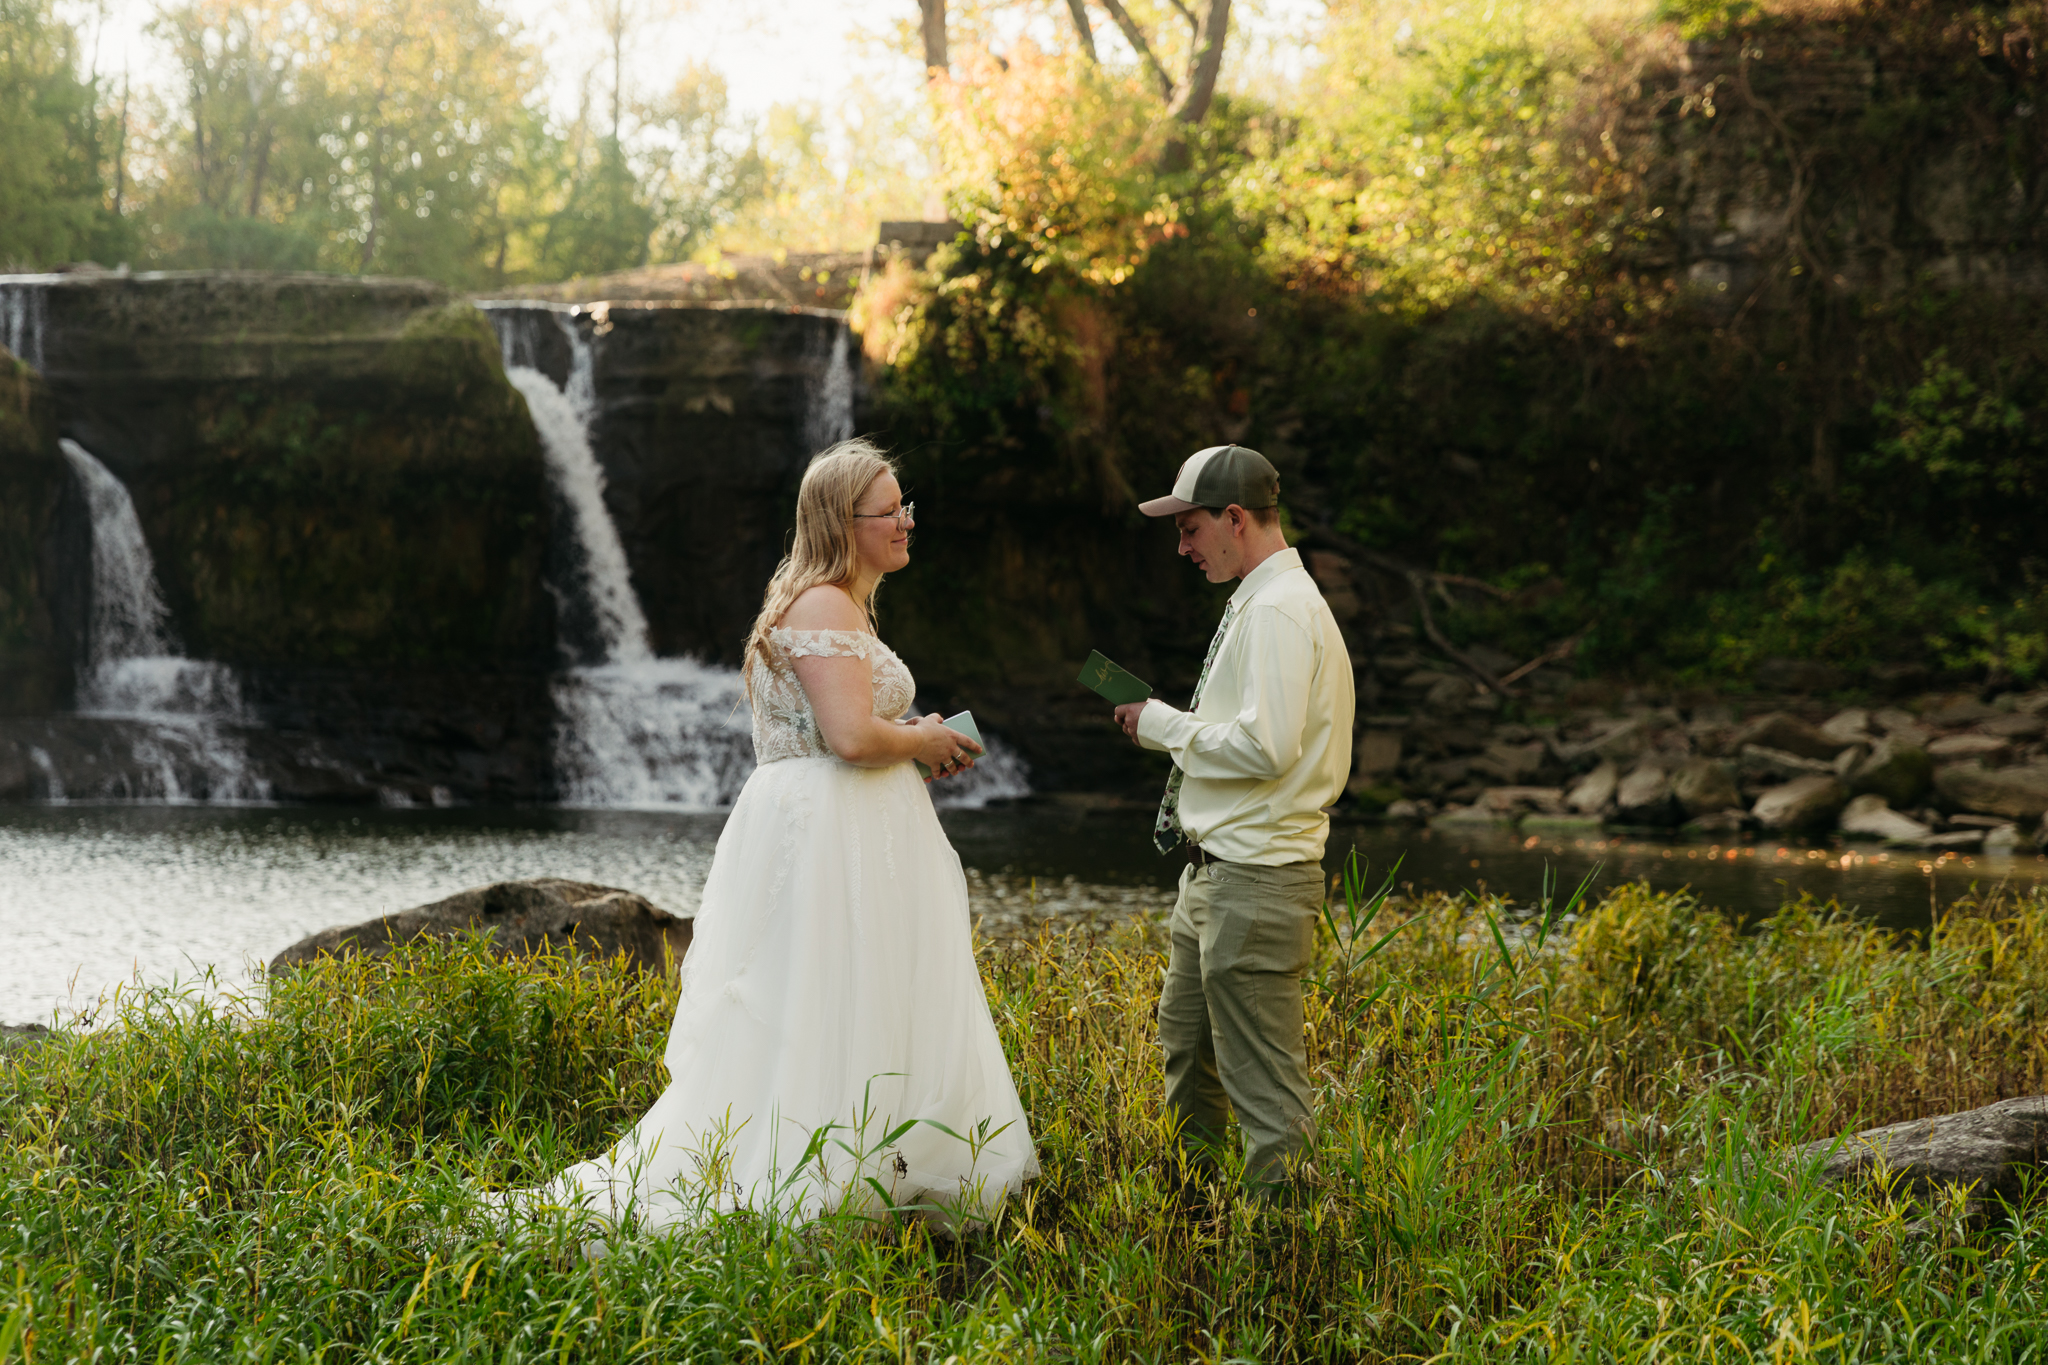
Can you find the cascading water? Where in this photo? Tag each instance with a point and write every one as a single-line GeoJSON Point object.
{"type": "Point", "coordinates": [632, 729]}
{"type": "Point", "coordinates": [829, 419]}
{"type": "Point", "coordinates": [24, 317]}
{"type": "Point", "coordinates": [133, 670]}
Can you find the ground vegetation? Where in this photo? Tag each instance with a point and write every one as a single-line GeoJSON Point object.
{"type": "Point", "coordinates": [1548, 1132]}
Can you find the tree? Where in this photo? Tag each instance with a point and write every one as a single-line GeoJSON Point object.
{"type": "Point", "coordinates": [932, 27]}
{"type": "Point", "coordinates": [360, 135]}
{"type": "Point", "coordinates": [1189, 95]}
{"type": "Point", "coordinates": [52, 207]}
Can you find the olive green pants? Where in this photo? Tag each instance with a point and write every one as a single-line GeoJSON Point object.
{"type": "Point", "coordinates": [1230, 1015]}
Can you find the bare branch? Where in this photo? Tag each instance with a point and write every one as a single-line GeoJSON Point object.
{"type": "Point", "coordinates": [1079, 9]}
{"type": "Point", "coordinates": [1135, 36]}
{"type": "Point", "coordinates": [1186, 14]}
{"type": "Point", "coordinates": [1487, 682]}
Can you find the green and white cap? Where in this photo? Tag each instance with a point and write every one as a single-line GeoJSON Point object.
{"type": "Point", "coordinates": [1218, 477]}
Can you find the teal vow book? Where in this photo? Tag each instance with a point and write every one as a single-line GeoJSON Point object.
{"type": "Point", "coordinates": [1117, 685]}
{"type": "Point", "coordinates": [964, 723]}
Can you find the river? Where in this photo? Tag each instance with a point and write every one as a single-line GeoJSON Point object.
{"type": "Point", "coordinates": [95, 897]}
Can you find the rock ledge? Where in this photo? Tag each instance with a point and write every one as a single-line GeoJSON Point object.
{"type": "Point", "coordinates": [544, 914]}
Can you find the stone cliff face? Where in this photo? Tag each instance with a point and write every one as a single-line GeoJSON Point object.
{"type": "Point", "coordinates": [706, 418]}
{"type": "Point", "coordinates": [1834, 154]}
{"type": "Point", "coordinates": [345, 501]}
{"type": "Point", "coordinates": [35, 655]}
{"type": "Point", "coordinates": [332, 473]}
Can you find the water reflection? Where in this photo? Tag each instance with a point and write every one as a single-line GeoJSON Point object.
{"type": "Point", "coordinates": [93, 896]}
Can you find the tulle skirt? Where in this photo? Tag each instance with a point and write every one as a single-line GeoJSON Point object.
{"type": "Point", "coordinates": [832, 1048]}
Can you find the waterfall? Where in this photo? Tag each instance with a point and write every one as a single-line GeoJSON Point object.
{"type": "Point", "coordinates": [630, 729]}
{"type": "Point", "coordinates": [633, 729]}
{"type": "Point", "coordinates": [600, 585]}
{"type": "Point", "coordinates": [133, 670]}
{"type": "Point", "coordinates": [829, 416]}
{"type": "Point", "coordinates": [24, 317]}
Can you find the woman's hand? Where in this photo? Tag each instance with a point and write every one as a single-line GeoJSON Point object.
{"type": "Point", "coordinates": [946, 752]}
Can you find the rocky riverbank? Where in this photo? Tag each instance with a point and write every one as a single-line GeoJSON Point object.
{"type": "Point", "coordinates": [1939, 770]}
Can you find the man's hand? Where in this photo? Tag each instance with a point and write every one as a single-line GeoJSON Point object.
{"type": "Point", "coordinates": [1127, 717]}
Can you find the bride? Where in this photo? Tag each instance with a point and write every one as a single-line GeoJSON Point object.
{"type": "Point", "coordinates": [832, 1046]}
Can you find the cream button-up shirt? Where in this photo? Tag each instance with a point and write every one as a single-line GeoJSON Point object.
{"type": "Point", "coordinates": [1270, 745]}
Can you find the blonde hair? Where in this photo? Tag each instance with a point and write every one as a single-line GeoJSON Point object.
{"type": "Point", "coordinates": [823, 551]}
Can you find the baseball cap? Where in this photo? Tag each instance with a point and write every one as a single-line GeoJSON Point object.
{"type": "Point", "coordinates": [1218, 477]}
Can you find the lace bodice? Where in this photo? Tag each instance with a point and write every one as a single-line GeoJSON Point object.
{"type": "Point", "coordinates": [784, 724]}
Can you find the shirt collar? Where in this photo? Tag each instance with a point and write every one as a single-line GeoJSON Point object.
{"type": "Point", "coordinates": [1275, 564]}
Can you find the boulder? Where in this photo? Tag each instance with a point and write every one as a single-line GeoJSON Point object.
{"type": "Point", "coordinates": [2020, 725]}
{"type": "Point", "coordinates": [1592, 792]}
{"type": "Point", "coordinates": [1994, 1152]}
{"type": "Point", "coordinates": [1778, 730]}
{"type": "Point", "coordinates": [1705, 785]}
{"type": "Point", "coordinates": [1560, 824]}
{"type": "Point", "coordinates": [2004, 839]}
{"type": "Point", "coordinates": [1780, 763]}
{"type": "Point", "coordinates": [1963, 711]}
{"type": "Point", "coordinates": [1479, 815]}
{"type": "Point", "coordinates": [21, 1037]}
{"type": "Point", "coordinates": [1514, 764]}
{"type": "Point", "coordinates": [1984, 748]}
{"type": "Point", "coordinates": [1870, 817]}
{"type": "Point", "coordinates": [1720, 824]}
{"type": "Point", "coordinates": [1897, 769]}
{"type": "Point", "coordinates": [1622, 740]}
{"type": "Point", "coordinates": [2016, 793]}
{"type": "Point", "coordinates": [1805, 803]}
{"type": "Point", "coordinates": [1645, 797]}
{"type": "Point", "coordinates": [1848, 726]}
{"type": "Point", "coordinates": [1955, 841]}
{"type": "Point", "coordinates": [1511, 800]}
{"type": "Point", "coordinates": [1376, 755]}
{"type": "Point", "coordinates": [545, 914]}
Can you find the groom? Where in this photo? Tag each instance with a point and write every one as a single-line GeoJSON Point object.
{"type": "Point", "coordinates": [1264, 746]}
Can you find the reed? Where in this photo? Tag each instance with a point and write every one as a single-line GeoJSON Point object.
{"type": "Point", "coordinates": [1541, 1132]}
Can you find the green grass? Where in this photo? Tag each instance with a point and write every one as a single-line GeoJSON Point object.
{"type": "Point", "coordinates": [1534, 1147]}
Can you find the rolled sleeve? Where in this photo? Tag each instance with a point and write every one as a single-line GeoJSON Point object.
{"type": "Point", "coordinates": [1263, 738]}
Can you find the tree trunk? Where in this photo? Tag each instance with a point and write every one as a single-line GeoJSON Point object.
{"type": "Point", "coordinates": [618, 61]}
{"type": "Point", "coordinates": [121, 150]}
{"type": "Point", "coordinates": [199, 139]}
{"type": "Point", "coordinates": [1079, 9]}
{"type": "Point", "coordinates": [376, 201]}
{"type": "Point", "coordinates": [934, 29]}
{"type": "Point", "coordinates": [259, 168]}
{"type": "Point", "coordinates": [1191, 102]}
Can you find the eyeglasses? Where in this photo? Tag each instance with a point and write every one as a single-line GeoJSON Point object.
{"type": "Point", "coordinates": [903, 517]}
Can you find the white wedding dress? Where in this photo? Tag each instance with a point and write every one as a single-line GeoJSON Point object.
{"type": "Point", "coordinates": [832, 1044]}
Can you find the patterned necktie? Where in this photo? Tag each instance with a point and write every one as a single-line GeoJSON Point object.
{"type": "Point", "coordinates": [1167, 835]}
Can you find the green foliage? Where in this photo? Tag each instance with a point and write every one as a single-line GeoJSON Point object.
{"type": "Point", "coordinates": [1950, 429]}
{"type": "Point", "coordinates": [1705, 18]}
{"type": "Point", "coordinates": [1537, 1141]}
{"type": "Point", "coordinates": [50, 145]}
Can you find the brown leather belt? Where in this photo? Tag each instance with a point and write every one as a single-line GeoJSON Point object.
{"type": "Point", "coordinates": [1198, 858]}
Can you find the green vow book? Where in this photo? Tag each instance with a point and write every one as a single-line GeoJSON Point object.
{"type": "Point", "coordinates": [1117, 685]}
{"type": "Point", "coordinates": [964, 723]}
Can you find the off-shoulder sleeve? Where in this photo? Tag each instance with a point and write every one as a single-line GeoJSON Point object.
{"type": "Point", "coordinates": [798, 644]}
